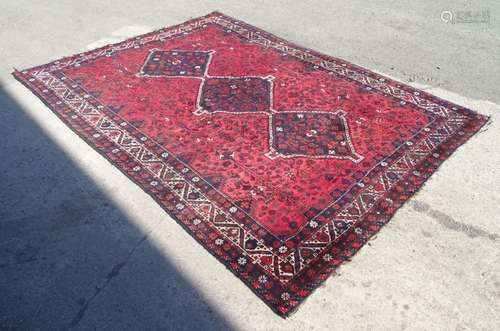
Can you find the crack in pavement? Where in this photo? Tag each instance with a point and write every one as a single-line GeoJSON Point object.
{"type": "Point", "coordinates": [112, 274]}
{"type": "Point", "coordinates": [450, 223]}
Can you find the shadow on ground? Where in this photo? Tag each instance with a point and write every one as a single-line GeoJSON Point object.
{"type": "Point", "coordinates": [69, 258]}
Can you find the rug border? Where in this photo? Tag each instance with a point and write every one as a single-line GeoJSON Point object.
{"type": "Point", "coordinates": [457, 142]}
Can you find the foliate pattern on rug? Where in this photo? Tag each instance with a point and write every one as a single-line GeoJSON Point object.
{"type": "Point", "coordinates": [280, 161]}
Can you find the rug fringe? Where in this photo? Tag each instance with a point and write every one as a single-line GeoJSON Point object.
{"type": "Point", "coordinates": [486, 126]}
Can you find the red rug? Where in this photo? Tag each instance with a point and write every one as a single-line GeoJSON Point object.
{"type": "Point", "coordinates": [279, 160]}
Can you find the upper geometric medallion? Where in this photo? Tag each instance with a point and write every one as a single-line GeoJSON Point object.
{"type": "Point", "coordinates": [161, 63]}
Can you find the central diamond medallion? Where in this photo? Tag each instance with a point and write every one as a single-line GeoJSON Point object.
{"type": "Point", "coordinates": [305, 133]}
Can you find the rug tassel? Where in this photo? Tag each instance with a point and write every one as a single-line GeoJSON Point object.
{"type": "Point", "coordinates": [486, 127]}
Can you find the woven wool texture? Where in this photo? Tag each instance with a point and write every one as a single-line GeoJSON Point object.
{"type": "Point", "coordinates": [280, 161]}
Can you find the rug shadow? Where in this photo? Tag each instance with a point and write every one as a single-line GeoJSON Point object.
{"type": "Point", "coordinates": [69, 257]}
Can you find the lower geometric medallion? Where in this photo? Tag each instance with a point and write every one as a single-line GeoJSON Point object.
{"type": "Point", "coordinates": [315, 134]}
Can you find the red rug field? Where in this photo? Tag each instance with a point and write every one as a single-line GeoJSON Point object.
{"type": "Point", "coordinates": [279, 160]}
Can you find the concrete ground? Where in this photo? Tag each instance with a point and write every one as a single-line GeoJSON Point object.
{"type": "Point", "coordinates": [81, 247]}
